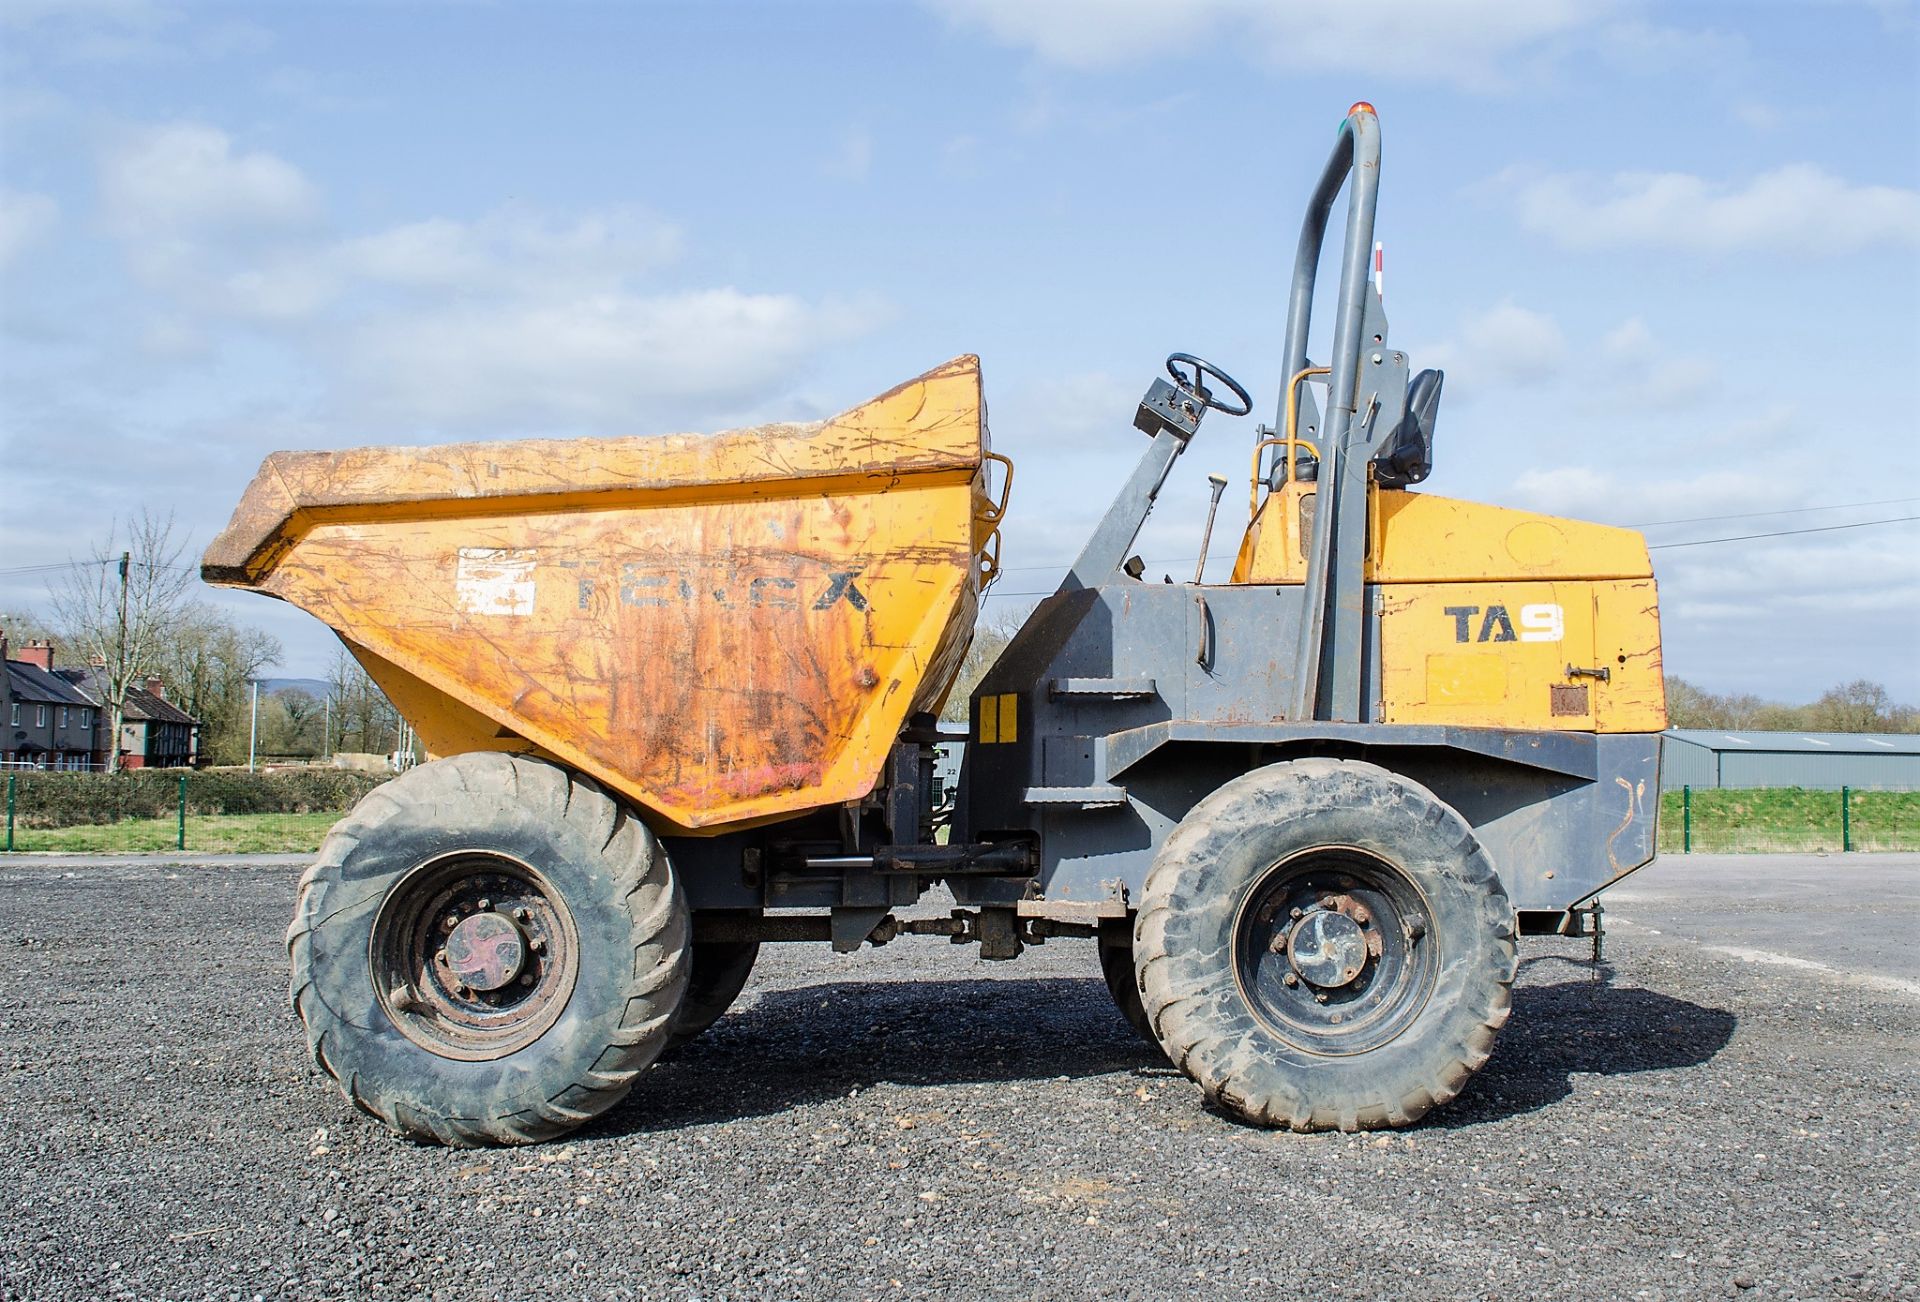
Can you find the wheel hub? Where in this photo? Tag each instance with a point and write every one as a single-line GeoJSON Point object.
{"type": "Point", "coordinates": [1327, 949]}
{"type": "Point", "coordinates": [473, 954]}
{"type": "Point", "coordinates": [486, 951]}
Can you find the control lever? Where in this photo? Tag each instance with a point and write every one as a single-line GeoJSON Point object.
{"type": "Point", "coordinates": [1219, 483]}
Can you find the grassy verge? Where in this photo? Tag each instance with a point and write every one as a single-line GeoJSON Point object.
{"type": "Point", "coordinates": [1790, 819]}
{"type": "Point", "coordinates": [1781, 820]}
{"type": "Point", "coordinates": [210, 834]}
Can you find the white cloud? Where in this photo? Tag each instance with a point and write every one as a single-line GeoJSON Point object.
{"type": "Point", "coordinates": [1799, 208]}
{"type": "Point", "coordinates": [516, 320]}
{"type": "Point", "coordinates": [24, 218]}
{"type": "Point", "coordinates": [187, 178]}
{"type": "Point", "coordinates": [1505, 345]}
{"type": "Point", "coordinates": [1470, 42]}
{"type": "Point", "coordinates": [853, 160]}
{"type": "Point", "coordinates": [1075, 411]}
{"type": "Point", "coordinates": [1644, 373]}
{"type": "Point", "coordinates": [1587, 493]}
{"type": "Point", "coordinates": [284, 286]}
{"type": "Point", "coordinates": [514, 250]}
{"type": "Point", "coordinates": [615, 361]}
{"type": "Point", "coordinates": [126, 31]}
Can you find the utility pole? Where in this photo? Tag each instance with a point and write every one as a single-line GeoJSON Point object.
{"type": "Point", "coordinates": [326, 725]}
{"type": "Point", "coordinates": [117, 687]}
{"type": "Point", "coordinates": [253, 727]}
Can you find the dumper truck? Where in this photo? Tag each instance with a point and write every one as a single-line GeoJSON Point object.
{"type": "Point", "coordinates": [681, 695]}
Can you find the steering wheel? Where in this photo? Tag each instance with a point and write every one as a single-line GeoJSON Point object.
{"type": "Point", "coordinates": [1202, 369]}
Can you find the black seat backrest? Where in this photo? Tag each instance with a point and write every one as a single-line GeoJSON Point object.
{"type": "Point", "coordinates": [1406, 456]}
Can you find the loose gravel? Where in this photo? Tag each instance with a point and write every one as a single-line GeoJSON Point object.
{"type": "Point", "coordinates": [911, 1122]}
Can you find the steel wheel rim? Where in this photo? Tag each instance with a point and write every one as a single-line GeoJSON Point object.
{"type": "Point", "coordinates": [413, 945]}
{"type": "Point", "coordinates": [1285, 927]}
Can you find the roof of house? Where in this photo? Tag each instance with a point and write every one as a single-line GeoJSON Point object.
{"type": "Point", "coordinates": [32, 683]}
{"type": "Point", "coordinates": [141, 705]}
{"type": "Point", "coordinates": [1803, 743]}
{"type": "Point", "coordinates": [154, 709]}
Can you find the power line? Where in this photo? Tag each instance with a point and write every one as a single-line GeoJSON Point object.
{"type": "Point", "coordinates": [1783, 533]}
{"type": "Point", "coordinates": [49, 567]}
{"type": "Point", "coordinates": [1791, 510]}
{"type": "Point", "coordinates": [54, 565]}
{"type": "Point", "coordinates": [1655, 547]}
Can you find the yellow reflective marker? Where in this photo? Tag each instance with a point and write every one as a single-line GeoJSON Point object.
{"type": "Point", "coordinates": [1010, 717]}
{"type": "Point", "coordinates": [989, 719]}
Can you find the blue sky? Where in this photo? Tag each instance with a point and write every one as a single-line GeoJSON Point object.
{"type": "Point", "coordinates": [1666, 253]}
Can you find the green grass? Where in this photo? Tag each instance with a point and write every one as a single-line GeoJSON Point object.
{"type": "Point", "coordinates": [1778, 820]}
{"type": "Point", "coordinates": [210, 834]}
{"type": "Point", "coordinates": [1784, 819]}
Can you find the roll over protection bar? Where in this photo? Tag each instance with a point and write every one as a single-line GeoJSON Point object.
{"type": "Point", "coordinates": [1356, 151]}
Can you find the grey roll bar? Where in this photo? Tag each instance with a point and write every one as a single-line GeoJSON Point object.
{"type": "Point", "coordinates": [1356, 150]}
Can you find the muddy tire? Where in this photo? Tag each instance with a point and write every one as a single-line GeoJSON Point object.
{"type": "Point", "coordinates": [488, 951]}
{"type": "Point", "coordinates": [1323, 944]}
{"type": "Point", "coordinates": [1116, 966]}
{"type": "Point", "coordinates": [718, 973]}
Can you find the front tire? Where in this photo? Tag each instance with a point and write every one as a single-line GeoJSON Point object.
{"type": "Point", "coordinates": [488, 951]}
{"type": "Point", "coordinates": [1324, 944]}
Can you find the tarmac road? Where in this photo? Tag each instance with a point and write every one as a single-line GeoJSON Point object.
{"type": "Point", "coordinates": [911, 1122]}
{"type": "Point", "coordinates": [1849, 915]}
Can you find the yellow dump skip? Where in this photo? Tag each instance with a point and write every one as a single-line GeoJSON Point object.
{"type": "Point", "coordinates": [727, 628]}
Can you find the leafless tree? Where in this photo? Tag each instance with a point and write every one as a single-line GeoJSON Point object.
{"type": "Point", "coordinates": [360, 709]}
{"type": "Point", "coordinates": [23, 626]}
{"type": "Point", "coordinates": [207, 663]}
{"type": "Point", "coordinates": [991, 634]}
{"type": "Point", "coordinates": [119, 608]}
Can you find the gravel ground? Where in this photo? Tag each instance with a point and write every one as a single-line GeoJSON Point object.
{"type": "Point", "coordinates": [912, 1122]}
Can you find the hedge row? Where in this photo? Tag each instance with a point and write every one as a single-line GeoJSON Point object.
{"type": "Point", "coordinates": [49, 799]}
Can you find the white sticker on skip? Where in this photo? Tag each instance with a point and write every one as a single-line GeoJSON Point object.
{"type": "Point", "coordinates": [495, 580]}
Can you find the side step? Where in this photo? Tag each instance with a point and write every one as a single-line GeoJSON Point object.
{"type": "Point", "coordinates": [1085, 797]}
{"type": "Point", "coordinates": [1105, 689]}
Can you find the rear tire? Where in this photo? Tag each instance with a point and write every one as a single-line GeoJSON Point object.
{"type": "Point", "coordinates": [718, 973]}
{"type": "Point", "coordinates": [1324, 944]}
{"type": "Point", "coordinates": [488, 951]}
{"type": "Point", "coordinates": [1116, 965]}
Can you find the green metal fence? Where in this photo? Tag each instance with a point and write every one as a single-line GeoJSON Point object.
{"type": "Point", "coordinates": [242, 813]}
{"type": "Point", "coordinates": [1720, 820]}
{"type": "Point", "coordinates": [211, 812]}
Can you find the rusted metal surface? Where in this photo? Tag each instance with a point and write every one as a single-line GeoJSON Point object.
{"type": "Point", "coordinates": [485, 951]}
{"type": "Point", "coordinates": [727, 628]}
{"type": "Point", "coordinates": [474, 955]}
{"type": "Point", "coordinates": [1074, 911]}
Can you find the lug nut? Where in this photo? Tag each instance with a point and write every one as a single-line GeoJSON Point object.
{"type": "Point", "coordinates": [1361, 914]}
{"type": "Point", "coordinates": [485, 904]}
{"type": "Point", "coordinates": [1328, 903]}
{"type": "Point", "coordinates": [537, 945]}
{"type": "Point", "coordinates": [465, 992]}
{"type": "Point", "coordinates": [1291, 979]}
{"type": "Point", "coordinates": [526, 978]}
{"type": "Point", "coordinates": [523, 915]}
{"type": "Point", "coordinates": [1296, 913]}
{"type": "Point", "coordinates": [449, 922]}
{"type": "Point", "coordinates": [442, 959]}
{"type": "Point", "coordinates": [1319, 997]}
{"type": "Point", "coordinates": [1335, 1019]}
